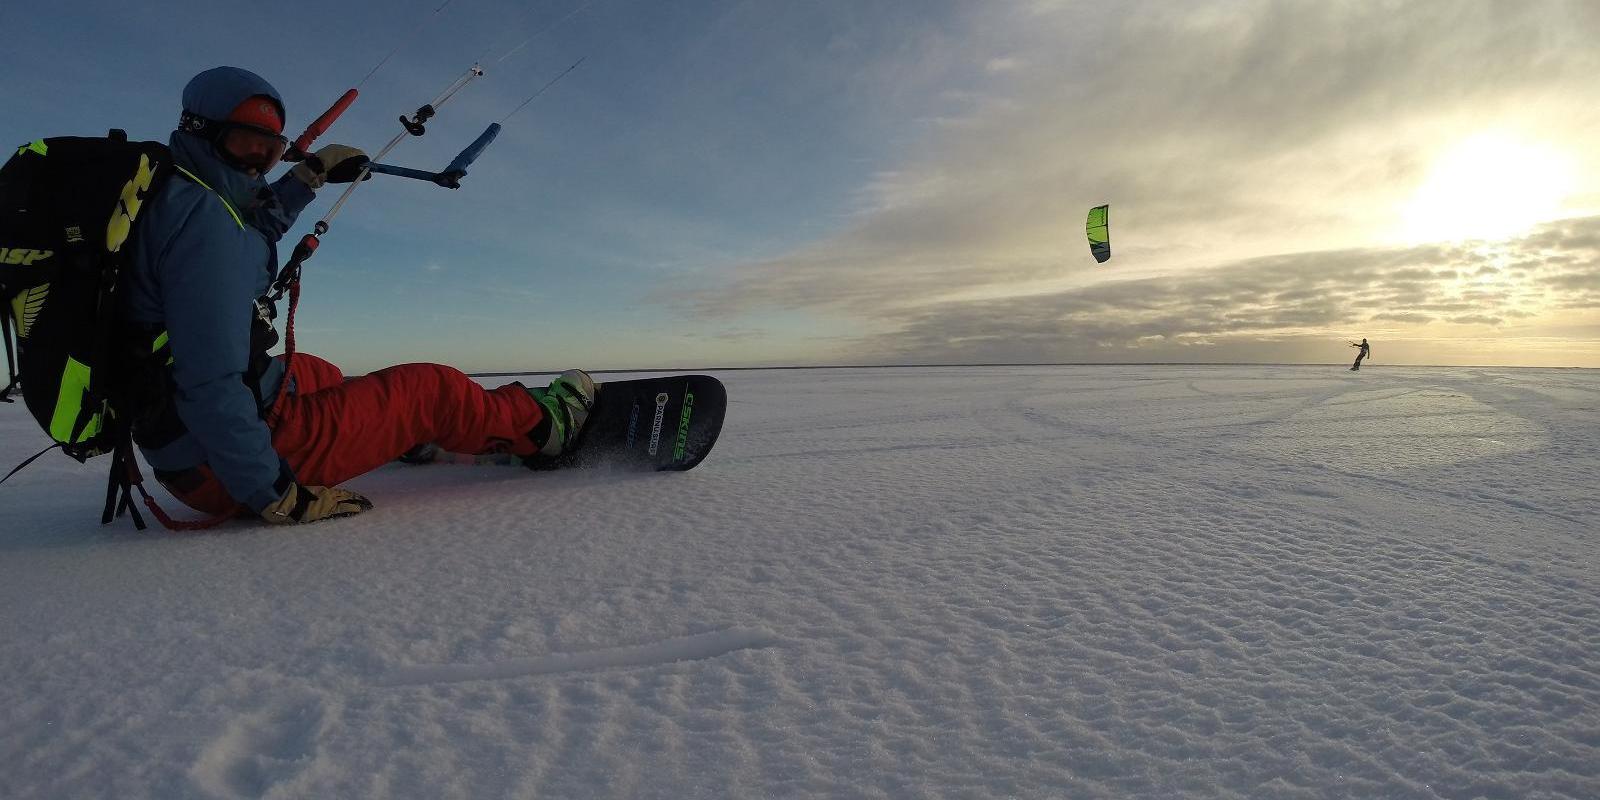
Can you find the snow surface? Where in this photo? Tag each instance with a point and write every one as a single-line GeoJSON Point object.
{"type": "Point", "coordinates": [1080, 582]}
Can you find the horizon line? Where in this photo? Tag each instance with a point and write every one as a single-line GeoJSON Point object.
{"type": "Point", "coordinates": [1013, 364]}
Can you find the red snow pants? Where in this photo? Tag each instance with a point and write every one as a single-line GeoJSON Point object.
{"type": "Point", "coordinates": [330, 429]}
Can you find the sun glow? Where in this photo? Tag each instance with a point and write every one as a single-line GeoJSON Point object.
{"type": "Point", "coordinates": [1490, 186]}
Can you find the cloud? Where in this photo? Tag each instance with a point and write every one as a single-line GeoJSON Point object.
{"type": "Point", "coordinates": [1476, 319]}
{"type": "Point", "coordinates": [1217, 132]}
{"type": "Point", "coordinates": [1287, 308]}
{"type": "Point", "coordinates": [1407, 317]}
{"type": "Point", "coordinates": [1576, 281]}
{"type": "Point", "coordinates": [1002, 65]}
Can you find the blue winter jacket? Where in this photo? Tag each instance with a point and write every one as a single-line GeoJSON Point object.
{"type": "Point", "coordinates": [206, 249]}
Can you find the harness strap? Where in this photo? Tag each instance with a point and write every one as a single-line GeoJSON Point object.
{"type": "Point", "coordinates": [118, 498]}
{"type": "Point", "coordinates": [125, 477]}
{"type": "Point", "coordinates": [11, 353]}
{"type": "Point", "coordinates": [30, 459]}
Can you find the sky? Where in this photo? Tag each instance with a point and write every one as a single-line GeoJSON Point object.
{"type": "Point", "coordinates": [750, 182]}
{"type": "Point", "coordinates": [1077, 582]}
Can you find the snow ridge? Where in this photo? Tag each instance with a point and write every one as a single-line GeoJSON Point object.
{"type": "Point", "coordinates": [667, 651]}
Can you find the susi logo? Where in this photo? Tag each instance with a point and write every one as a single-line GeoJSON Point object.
{"type": "Point", "coordinates": [655, 427]}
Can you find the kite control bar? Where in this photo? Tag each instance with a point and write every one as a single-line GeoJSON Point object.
{"type": "Point", "coordinates": [288, 276]}
{"type": "Point", "coordinates": [450, 177]}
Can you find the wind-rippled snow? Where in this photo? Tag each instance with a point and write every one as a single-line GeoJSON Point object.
{"type": "Point", "coordinates": [1076, 582]}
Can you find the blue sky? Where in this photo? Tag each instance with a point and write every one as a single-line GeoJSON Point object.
{"type": "Point", "coordinates": [753, 182]}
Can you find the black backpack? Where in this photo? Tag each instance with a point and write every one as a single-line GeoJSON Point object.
{"type": "Point", "coordinates": [68, 207]}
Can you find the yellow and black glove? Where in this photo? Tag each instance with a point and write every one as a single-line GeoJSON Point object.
{"type": "Point", "coordinates": [335, 163]}
{"type": "Point", "coordinates": [313, 504]}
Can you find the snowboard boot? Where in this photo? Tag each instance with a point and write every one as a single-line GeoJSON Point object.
{"type": "Point", "coordinates": [567, 402]}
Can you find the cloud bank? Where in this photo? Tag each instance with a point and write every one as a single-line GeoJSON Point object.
{"type": "Point", "coordinates": [1292, 308]}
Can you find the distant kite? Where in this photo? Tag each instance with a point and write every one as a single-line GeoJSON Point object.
{"type": "Point", "coordinates": [1099, 233]}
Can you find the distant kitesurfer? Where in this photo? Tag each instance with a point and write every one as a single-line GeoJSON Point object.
{"type": "Point", "coordinates": [1366, 352]}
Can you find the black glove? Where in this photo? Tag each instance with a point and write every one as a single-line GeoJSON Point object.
{"type": "Point", "coordinates": [335, 163]}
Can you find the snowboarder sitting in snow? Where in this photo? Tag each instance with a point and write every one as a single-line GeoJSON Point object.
{"type": "Point", "coordinates": [1366, 352]}
{"type": "Point", "coordinates": [224, 429]}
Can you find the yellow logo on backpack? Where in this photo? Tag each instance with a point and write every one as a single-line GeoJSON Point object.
{"type": "Point", "coordinates": [128, 207]}
{"type": "Point", "coordinates": [23, 256]}
{"type": "Point", "coordinates": [25, 307]}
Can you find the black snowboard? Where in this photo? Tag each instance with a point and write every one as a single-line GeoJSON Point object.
{"type": "Point", "coordinates": [649, 424]}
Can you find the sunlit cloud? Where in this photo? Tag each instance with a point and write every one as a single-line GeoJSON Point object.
{"type": "Point", "coordinates": [1489, 186]}
{"type": "Point", "coordinates": [1383, 147]}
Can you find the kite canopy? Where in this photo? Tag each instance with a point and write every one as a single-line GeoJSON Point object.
{"type": "Point", "coordinates": [1099, 234]}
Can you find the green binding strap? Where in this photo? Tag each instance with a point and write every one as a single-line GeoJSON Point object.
{"type": "Point", "coordinates": [35, 146]}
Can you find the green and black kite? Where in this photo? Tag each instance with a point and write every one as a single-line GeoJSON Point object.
{"type": "Point", "coordinates": [1099, 233]}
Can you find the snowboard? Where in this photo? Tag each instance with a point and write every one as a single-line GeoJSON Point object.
{"type": "Point", "coordinates": [644, 425]}
{"type": "Point", "coordinates": [649, 424]}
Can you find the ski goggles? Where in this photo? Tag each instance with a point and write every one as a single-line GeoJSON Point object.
{"type": "Point", "coordinates": [249, 147]}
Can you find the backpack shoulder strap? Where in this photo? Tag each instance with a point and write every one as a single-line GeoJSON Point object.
{"type": "Point", "coordinates": [195, 179]}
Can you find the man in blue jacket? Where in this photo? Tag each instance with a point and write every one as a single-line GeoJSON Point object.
{"type": "Point", "coordinates": [227, 429]}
